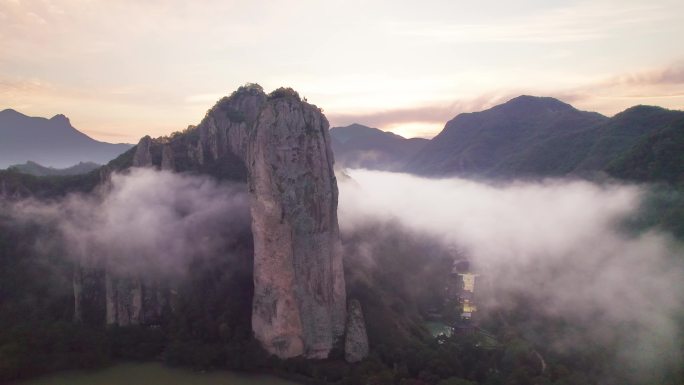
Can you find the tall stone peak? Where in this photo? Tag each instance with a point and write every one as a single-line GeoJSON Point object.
{"type": "Point", "coordinates": [142, 156]}
{"type": "Point", "coordinates": [356, 338]}
{"type": "Point", "coordinates": [280, 145]}
{"type": "Point", "coordinates": [299, 300]}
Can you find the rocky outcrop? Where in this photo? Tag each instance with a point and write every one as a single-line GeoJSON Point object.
{"type": "Point", "coordinates": [125, 292]}
{"type": "Point", "coordinates": [143, 156]}
{"type": "Point", "coordinates": [284, 144]}
{"type": "Point", "coordinates": [167, 162]}
{"type": "Point", "coordinates": [280, 145]}
{"type": "Point", "coordinates": [133, 301]}
{"type": "Point", "coordinates": [89, 291]}
{"type": "Point", "coordinates": [356, 339]}
{"type": "Point", "coordinates": [299, 286]}
{"type": "Point", "coordinates": [124, 300]}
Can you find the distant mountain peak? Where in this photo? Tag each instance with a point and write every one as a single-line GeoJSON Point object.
{"type": "Point", "coordinates": [503, 139]}
{"type": "Point", "coordinates": [61, 121]}
{"type": "Point", "coordinates": [641, 109]}
{"type": "Point", "coordinates": [51, 142]}
{"type": "Point", "coordinates": [357, 145]}
{"type": "Point", "coordinates": [34, 168]}
{"type": "Point", "coordinates": [11, 112]}
{"type": "Point", "coordinates": [647, 115]}
{"type": "Point", "coordinates": [59, 117]}
{"type": "Point", "coordinates": [358, 125]}
{"type": "Point", "coordinates": [536, 102]}
{"type": "Point", "coordinates": [343, 134]}
{"type": "Point", "coordinates": [536, 136]}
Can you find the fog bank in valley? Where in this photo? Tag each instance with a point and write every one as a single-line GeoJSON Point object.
{"type": "Point", "coordinates": [562, 245]}
{"type": "Point", "coordinates": [554, 250]}
{"type": "Point", "coordinates": [143, 221]}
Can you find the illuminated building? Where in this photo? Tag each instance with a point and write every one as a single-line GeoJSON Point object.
{"type": "Point", "coordinates": [468, 281]}
{"type": "Point", "coordinates": [467, 294]}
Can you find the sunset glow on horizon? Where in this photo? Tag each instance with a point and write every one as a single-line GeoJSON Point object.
{"type": "Point", "coordinates": [124, 69]}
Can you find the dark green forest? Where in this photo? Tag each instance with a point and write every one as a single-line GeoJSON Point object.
{"type": "Point", "coordinates": [210, 326]}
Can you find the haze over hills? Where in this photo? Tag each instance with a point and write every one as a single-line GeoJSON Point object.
{"type": "Point", "coordinates": [50, 142]}
{"type": "Point", "coordinates": [254, 182]}
{"type": "Point", "coordinates": [536, 136]}
{"type": "Point", "coordinates": [527, 136]}
{"type": "Point", "coordinates": [359, 146]}
{"type": "Point", "coordinates": [33, 168]}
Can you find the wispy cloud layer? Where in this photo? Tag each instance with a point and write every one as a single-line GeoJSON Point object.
{"type": "Point", "coordinates": [153, 67]}
{"type": "Point", "coordinates": [575, 23]}
{"type": "Point", "coordinates": [660, 86]}
{"type": "Point", "coordinates": [145, 221]}
{"type": "Point", "coordinates": [431, 117]}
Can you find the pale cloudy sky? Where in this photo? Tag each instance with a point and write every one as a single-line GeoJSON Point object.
{"type": "Point", "coordinates": [121, 69]}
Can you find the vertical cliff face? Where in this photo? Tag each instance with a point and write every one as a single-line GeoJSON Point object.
{"type": "Point", "coordinates": [143, 156]}
{"type": "Point", "coordinates": [299, 299]}
{"type": "Point", "coordinates": [356, 339]}
{"type": "Point", "coordinates": [281, 146]}
{"type": "Point", "coordinates": [130, 299]}
{"type": "Point", "coordinates": [89, 290]}
{"type": "Point", "coordinates": [299, 291]}
{"type": "Point", "coordinates": [124, 300]}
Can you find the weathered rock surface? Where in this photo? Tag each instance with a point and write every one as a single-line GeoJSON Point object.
{"type": "Point", "coordinates": [124, 300]}
{"type": "Point", "coordinates": [89, 290]}
{"type": "Point", "coordinates": [143, 156]}
{"type": "Point", "coordinates": [167, 162]}
{"type": "Point", "coordinates": [92, 291]}
{"type": "Point", "coordinates": [133, 301]}
{"type": "Point", "coordinates": [129, 301]}
{"type": "Point", "coordinates": [281, 146]}
{"type": "Point", "coordinates": [299, 286]}
{"type": "Point", "coordinates": [356, 339]}
{"type": "Point", "coordinates": [299, 291]}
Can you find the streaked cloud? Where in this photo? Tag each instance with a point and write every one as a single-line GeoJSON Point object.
{"type": "Point", "coordinates": [660, 86]}
{"type": "Point", "coordinates": [670, 75]}
{"type": "Point", "coordinates": [135, 68]}
{"type": "Point", "coordinates": [430, 115]}
{"type": "Point", "coordinates": [574, 23]}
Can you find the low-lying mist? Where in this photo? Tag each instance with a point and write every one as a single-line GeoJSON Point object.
{"type": "Point", "coordinates": [559, 245]}
{"type": "Point", "coordinates": [144, 221]}
{"type": "Point", "coordinates": [555, 251]}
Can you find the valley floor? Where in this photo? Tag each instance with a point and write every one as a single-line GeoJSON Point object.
{"type": "Point", "coordinates": [152, 374]}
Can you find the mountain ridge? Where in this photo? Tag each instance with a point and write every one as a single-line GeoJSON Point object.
{"type": "Point", "coordinates": [51, 142]}
{"type": "Point", "coordinates": [535, 136]}
{"type": "Point", "coordinates": [357, 145]}
{"type": "Point", "coordinates": [35, 169]}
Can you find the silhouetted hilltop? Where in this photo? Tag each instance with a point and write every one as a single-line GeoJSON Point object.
{"type": "Point", "coordinates": [535, 137]}
{"type": "Point", "coordinates": [359, 146]}
{"type": "Point", "coordinates": [50, 142]}
{"type": "Point", "coordinates": [33, 168]}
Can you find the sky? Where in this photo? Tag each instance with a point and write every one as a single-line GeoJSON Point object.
{"type": "Point", "coordinates": [122, 69]}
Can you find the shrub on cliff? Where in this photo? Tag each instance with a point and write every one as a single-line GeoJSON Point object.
{"type": "Point", "coordinates": [283, 92]}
